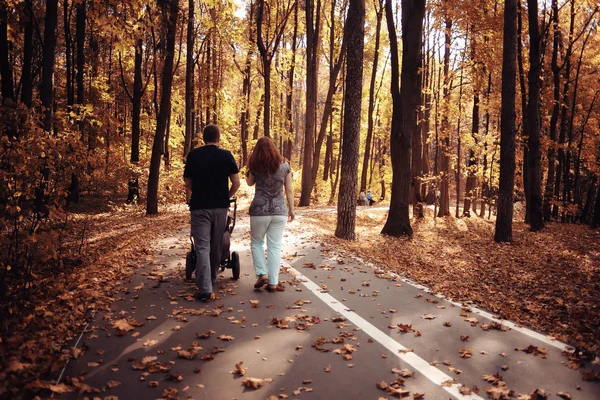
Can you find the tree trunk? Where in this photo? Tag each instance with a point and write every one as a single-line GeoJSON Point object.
{"type": "Point", "coordinates": [567, 169]}
{"type": "Point", "coordinates": [48, 61]}
{"type": "Point", "coordinates": [546, 207]}
{"type": "Point", "coordinates": [536, 220]}
{"type": "Point", "coordinates": [472, 161]}
{"type": "Point", "coordinates": [136, 103]}
{"type": "Point", "coordinates": [404, 111]}
{"type": "Point", "coordinates": [578, 198]}
{"type": "Point", "coordinates": [504, 218]}
{"type": "Point", "coordinates": [189, 82]}
{"type": "Point", "coordinates": [8, 91]}
{"type": "Point", "coordinates": [354, 34]}
{"type": "Point", "coordinates": [312, 59]}
{"type": "Point", "coordinates": [459, 143]}
{"type": "Point", "coordinates": [525, 126]}
{"type": "Point", "coordinates": [596, 219]}
{"type": "Point", "coordinates": [445, 148]}
{"type": "Point", "coordinates": [165, 102]}
{"type": "Point", "coordinates": [563, 112]}
{"type": "Point", "coordinates": [26, 78]}
{"type": "Point", "coordinates": [80, 43]}
{"type": "Point", "coordinates": [379, 15]}
{"type": "Point", "coordinates": [290, 89]}
{"type": "Point", "coordinates": [326, 114]}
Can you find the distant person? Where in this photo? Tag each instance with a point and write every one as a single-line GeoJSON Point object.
{"type": "Point", "coordinates": [370, 198]}
{"type": "Point", "coordinates": [208, 170]}
{"type": "Point", "coordinates": [268, 211]}
{"type": "Point", "coordinates": [362, 198]}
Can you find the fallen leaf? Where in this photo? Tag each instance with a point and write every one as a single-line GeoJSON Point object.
{"type": "Point", "coordinates": [239, 370]}
{"type": "Point", "coordinates": [255, 383]}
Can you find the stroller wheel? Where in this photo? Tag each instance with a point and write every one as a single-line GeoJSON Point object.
{"type": "Point", "coordinates": [235, 265]}
{"type": "Point", "coordinates": [190, 264]}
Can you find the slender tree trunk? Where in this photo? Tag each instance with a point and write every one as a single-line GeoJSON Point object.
{"type": "Point", "coordinates": [290, 89]}
{"type": "Point", "coordinates": [596, 218]}
{"type": "Point", "coordinates": [504, 218]}
{"type": "Point", "coordinates": [329, 142]}
{"type": "Point", "coordinates": [163, 115]}
{"type": "Point", "coordinates": [80, 42]}
{"type": "Point", "coordinates": [26, 75]}
{"type": "Point", "coordinates": [472, 161]}
{"type": "Point", "coordinates": [379, 15]}
{"type": "Point", "coordinates": [524, 118]}
{"type": "Point", "coordinates": [48, 61]}
{"type": "Point", "coordinates": [8, 91]}
{"type": "Point", "coordinates": [136, 102]}
{"type": "Point", "coordinates": [546, 207]}
{"type": "Point", "coordinates": [404, 111]}
{"type": "Point", "coordinates": [567, 176]}
{"type": "Point", "coordinates": [354, 34]}
{"type": "Point", "coordinates": [326, 114]}
{"type": "Point", "coordinates": [459, 143]}
{"type": "Point", "coordinates": [189, 82]}
{"type": "Point", "coordinates": [445, 148]}
{"type": "Point", "coordinates": [580, 147]}
{"type": "Point", "coordinates": [533, 119]}
{"type": "Point", "coordinates": [337, 166]}
{"type": "Point", "coordinates": [312, 58]}
{"type": "Point", "coordinates": [563, 113]}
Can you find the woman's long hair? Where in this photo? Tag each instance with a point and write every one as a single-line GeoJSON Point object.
{"type": "Point", "coordinates": [265, 157]}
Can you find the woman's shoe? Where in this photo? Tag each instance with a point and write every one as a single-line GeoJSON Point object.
{"type": "Point", "coordinates": [272, 288]}
{"type": "Point", "coordinates": [261, 281]}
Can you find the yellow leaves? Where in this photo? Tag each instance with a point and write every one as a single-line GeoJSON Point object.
{"type": "Point", "coordinates": [122, 326]}
{"type": "Point", "coordinates": [239, 370]}
{"type": "Point", "coordinates": [255, 383]}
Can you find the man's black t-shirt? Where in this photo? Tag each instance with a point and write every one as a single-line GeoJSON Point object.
{"type": "Point", "coordinates": [209, 168]}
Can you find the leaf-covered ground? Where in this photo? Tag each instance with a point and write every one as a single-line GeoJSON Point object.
{"type": "Point", "coordinates": [548, 280]}
{"type": "Point", "coordinates": [104, 246]}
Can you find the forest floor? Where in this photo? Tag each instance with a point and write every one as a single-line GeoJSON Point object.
{"type": "Point", "coordinates": [548, 281]}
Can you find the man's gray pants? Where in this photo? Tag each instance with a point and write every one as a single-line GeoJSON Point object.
{"type": "Point", "coordinates": [208, 227]}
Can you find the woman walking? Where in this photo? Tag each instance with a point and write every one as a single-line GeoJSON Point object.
{"type": "Point", "coordinates": [268, 211]}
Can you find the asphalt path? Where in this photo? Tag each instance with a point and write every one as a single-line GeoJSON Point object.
{"type": "Point", "coordinates": [340, 327]}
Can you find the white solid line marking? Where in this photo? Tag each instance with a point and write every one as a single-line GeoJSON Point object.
{"type": "Point", "coordinates": [430, 372]}
{"type": "Point", "coordinates": [512, 325]}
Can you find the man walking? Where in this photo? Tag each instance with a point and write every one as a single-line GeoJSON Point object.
{"type": "Point", "coordinates": [208, 170]}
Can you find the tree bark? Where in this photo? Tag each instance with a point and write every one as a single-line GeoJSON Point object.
{"type": "Point", "coordinates": [136, 102]}
{"type": "Point", "coordinates": [444, 209]}
{"type": "Point", "coordinates": [459, 142]}
{"type": "Point", "coordinates": [546, 207]}
{"type": "Point", "coordinates": [312, 59]}
{"type": "Point", "coordinates": [504, 218]}
{"type": "Point", "coordinates": [8, 91]}
{"type": "Point", "coordinates": [163, 115]}
{"type": "Point", "coordinates": [290, 89]}
{"type": "Point", "coordinates": [405, 108]}
{"type": "Point", "coordinates": [379, 15]}
{"type": "Point", "coordinates": [596, 218]}
{"type": "Point", "coordinates": [189, 81]}
{"type": "Point", "coordinates": [354, 34]}
{"type": "Point", "coordinates": [26, 75]}
{"type": "Point", "coordinates": [472, 160]}
{"type": "Point", "coordinates": [534, 204]}
{"type": "Point", "coordinates": [563, 113]}
{"type": "Point", "coordinates": [48, 61]}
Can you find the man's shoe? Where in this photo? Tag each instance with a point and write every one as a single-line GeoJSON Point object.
{"type": "Point", "coordinates": [205, 297]}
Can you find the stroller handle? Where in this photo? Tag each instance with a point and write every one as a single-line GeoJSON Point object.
{"type": "Point", "coordinates": [234, 201]}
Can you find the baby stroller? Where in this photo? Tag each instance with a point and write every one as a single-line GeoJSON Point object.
{"type": "Point", "coordinates": [229, 259]}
